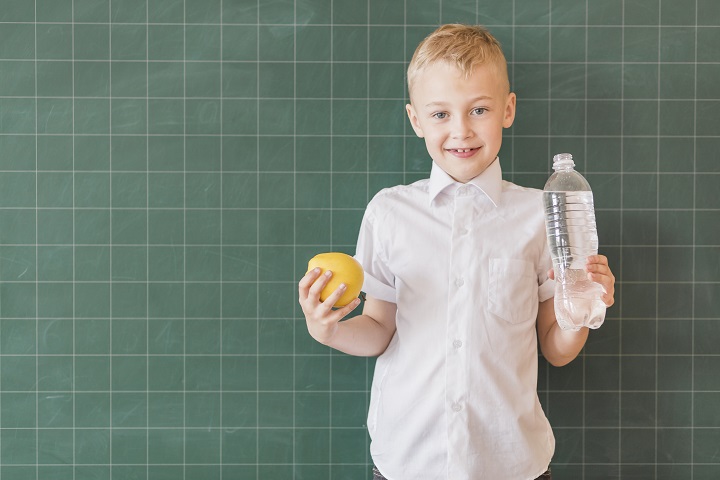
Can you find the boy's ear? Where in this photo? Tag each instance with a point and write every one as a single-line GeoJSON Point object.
{"type": "Point", "coordinates": [414, 120]}
{"type": "Point", "coordinates": [509, 116]}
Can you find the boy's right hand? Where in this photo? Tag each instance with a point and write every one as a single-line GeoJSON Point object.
{"type": "Point", "coordinates": [322, 320]}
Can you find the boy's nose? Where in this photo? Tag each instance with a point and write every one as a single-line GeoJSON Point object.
{"type": "Point", "coordinates": [461, 129]}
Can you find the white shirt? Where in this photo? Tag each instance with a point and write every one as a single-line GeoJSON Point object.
{"type": "Point", "coordinates": [454, 395]}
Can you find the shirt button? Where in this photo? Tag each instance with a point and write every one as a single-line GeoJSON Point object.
{"type": "Point", "coordinates": [456, 407]}
{"type": "Point", "coordinates": [459, 282]}
{"type": "Point", "coordinates": [457, 344]}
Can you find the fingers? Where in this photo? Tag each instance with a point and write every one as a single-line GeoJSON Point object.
{"type": "Point", "coordinates": [598, 268]}
{"type": "Point", "coordinates": [312, 284]}
{"type": "Point", "coordinates": [321, 317]}
{"type": "Point", "coordinates": [598, 260]}
{"type": "Point", "coordinates": [332, 299]}
{"type": "Point", "coordinates": [340, 312]}
{"type": "Point", "coordinates": [599, 272]}
{"type": "Point", "coordinates": [317, 287]}
{"type": "Point", "coordinates": [551, 274]}
{"type": "Point", "coordinates": [306, 282]}
{"type": "Point", "coordinates": [343, 311]}
{"type": "Point", "coordinates": [608, 300]}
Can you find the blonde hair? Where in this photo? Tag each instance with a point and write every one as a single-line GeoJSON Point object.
{"type": "Point", "coordinates": [463, 46]}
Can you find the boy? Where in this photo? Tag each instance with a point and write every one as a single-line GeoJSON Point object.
{"type": "Point", "coordinates": [459, 287]}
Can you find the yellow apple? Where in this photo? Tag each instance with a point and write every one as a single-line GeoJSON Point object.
{"type": "Point", "coordinates": [345, 269]}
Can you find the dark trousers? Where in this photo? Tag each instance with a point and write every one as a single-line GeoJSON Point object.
{"type": "Point", "coordinates": [378, 476]}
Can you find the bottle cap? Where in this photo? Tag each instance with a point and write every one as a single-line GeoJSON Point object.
{"type": "Point", "coordinates": [563, 160]}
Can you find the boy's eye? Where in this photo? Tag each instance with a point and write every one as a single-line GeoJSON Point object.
{"type": "Point", "coordinates": [439, 115]}
{"type": "Point", "coordinates": [478, 111]}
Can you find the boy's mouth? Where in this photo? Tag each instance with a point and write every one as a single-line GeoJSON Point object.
{"type": "Point", "coordinates": [463, 152]}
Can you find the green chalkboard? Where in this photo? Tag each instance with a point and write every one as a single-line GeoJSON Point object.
{"type": "Point", "coordinates": [168, 167]}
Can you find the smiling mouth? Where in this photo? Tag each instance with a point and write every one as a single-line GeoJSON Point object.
{"type": "Point", "coordinates": [463, 152]}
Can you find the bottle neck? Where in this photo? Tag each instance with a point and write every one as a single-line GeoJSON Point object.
{"type": "Point", "coordinates": [563, 167]}
{"type": "Point", "coordinates": [563, 162]}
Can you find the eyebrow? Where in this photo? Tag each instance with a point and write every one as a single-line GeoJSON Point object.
{"type": "Point", "coordinates": [476, 99]}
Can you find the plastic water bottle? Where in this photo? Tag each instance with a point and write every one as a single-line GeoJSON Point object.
{"type": "Point", "coordinates": [572, 236]}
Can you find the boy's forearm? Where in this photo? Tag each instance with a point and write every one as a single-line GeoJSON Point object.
{"type": "Point", "coordinates": [361, 336]}
{"type": "Point", "coordinates": [561, 347]}
{"type": "Point", "coordinates": [558, 346]}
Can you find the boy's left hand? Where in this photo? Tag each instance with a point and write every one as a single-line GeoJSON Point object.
{"type": "Point", "coordinates": [599, 272]}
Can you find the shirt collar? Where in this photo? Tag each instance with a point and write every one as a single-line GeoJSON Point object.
{"type": "Point", "coordinates": [489, 182]}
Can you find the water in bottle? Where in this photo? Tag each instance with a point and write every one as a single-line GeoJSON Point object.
{"type": "Point", "coordinates": [572, 237]}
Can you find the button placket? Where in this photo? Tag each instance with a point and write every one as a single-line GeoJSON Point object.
{"type": "Point", "coordinates": [459, 301]}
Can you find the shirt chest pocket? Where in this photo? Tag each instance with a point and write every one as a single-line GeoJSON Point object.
{"type": "Point", "coordinates": [513, 290]}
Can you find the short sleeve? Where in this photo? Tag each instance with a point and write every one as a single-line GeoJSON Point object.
{"type": "Point", "coordinates": [379, 280]}
{"type": "Point", "coordinates": [546, 289]}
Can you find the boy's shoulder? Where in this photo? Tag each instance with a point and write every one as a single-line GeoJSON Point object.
{"type": "Point", "coordinates": [521, 198]}
{"type": "Point", "coordinates": [521, 189]}
{"type": "Point", "coordinates": [411, 190]}
{"type": "Point", "coordinates": [399, 198]}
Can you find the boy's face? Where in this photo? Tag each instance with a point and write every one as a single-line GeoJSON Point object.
{"type": "Point", "coordinates": [461, 119]}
